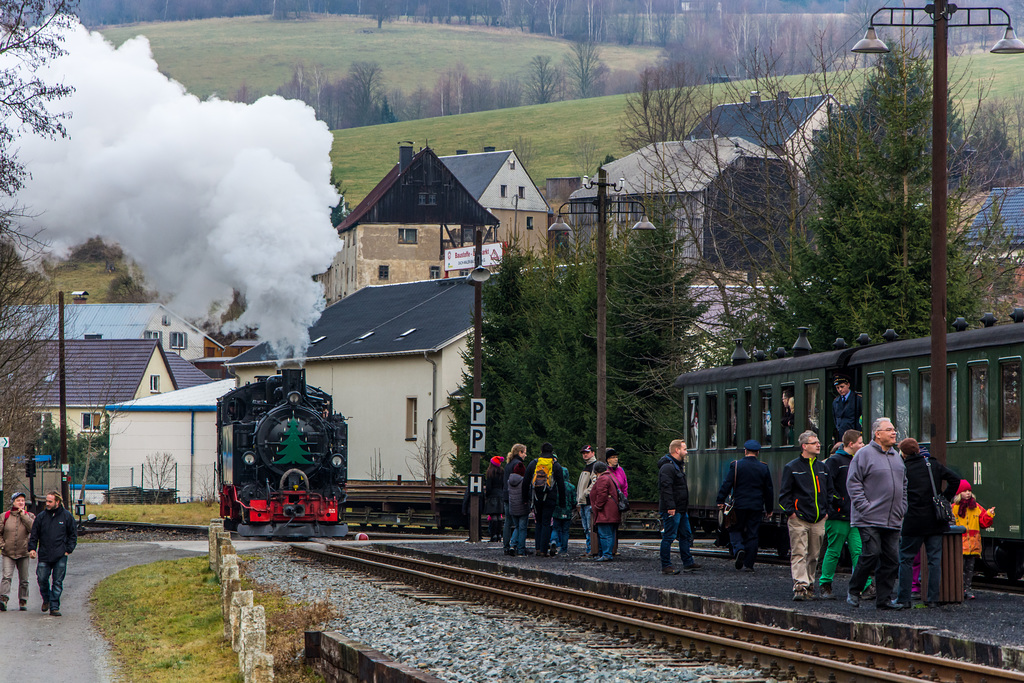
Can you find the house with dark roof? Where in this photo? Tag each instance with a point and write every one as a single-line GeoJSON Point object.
{"type": "Point", "coordinates": [99, 372]}
{"type": "Point", "coordinates": [391, 356]}
{"type": "Point", "coordinates": [1001, 219]}
{"type": "Point", "coordinates": [500, 182]}
{"type": "Point", "coordinates": [400, 231]}
{"type": "Point", "coordinates": [785, 125]}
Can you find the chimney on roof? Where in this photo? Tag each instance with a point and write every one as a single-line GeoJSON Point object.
{"type": "Point", "coordinates": [79, 297]}
{"type": "Point", "coordinates": [488, 149]}
{"type": "Point", "coordinates": [461, 151]}
{"type": "Point", "coordinates": [755, 97]}
{"type": "Point", "coordinates": [404, 155]}
{"type": "Point", "coordinates": [783, 96]}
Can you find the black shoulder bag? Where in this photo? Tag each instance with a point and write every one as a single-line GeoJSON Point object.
{"type": "Point", "coordinates": [943, 510]}
{"type": "Point", "coordinates": [727, 515]}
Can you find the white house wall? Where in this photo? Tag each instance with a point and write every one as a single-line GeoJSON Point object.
{"type": "Point", "coordinates": [136, 435]}
{"type": "Point", "coordinates": [372, 393]}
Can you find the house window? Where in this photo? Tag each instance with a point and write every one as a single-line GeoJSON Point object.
{"type": "Point", "coordinates": [428, 199]}
{"type": "Point", "coordinates": [529, 222]}
{"type": "Point", "coordinates": [44, 419]}
{"type": "Point", "coordinates": [522, 192]}
{"type": "Point", "coordinates": [91, 422]}
{"type": "Point", "coordinates": [504, 190]}
{"type": "Point", "coordinates": [468, 234]}
{"type": "Point", "coordinates": [150, 334]}
{"type": "Point", "coordinates": [511, 164]}
{"type": "Point", "coordinates": [435, 272]}
{"type": "Point", "coordinates": [410, 418]}
{"type": "Point", "coordinates": [154, 383]}
{"type": "Point", "coordinates": [383, 272]}
{"type": "Point", "coordinates": [407, 235]}
{"type": "Point", "coordinates": [179, 340]}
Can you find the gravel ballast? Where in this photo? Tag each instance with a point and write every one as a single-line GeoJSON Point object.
{"type": "Point", "coordinates": [459, 642]}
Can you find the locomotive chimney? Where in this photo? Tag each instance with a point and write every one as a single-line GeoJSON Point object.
{"type": "Point", "coordinates": [293, 380]}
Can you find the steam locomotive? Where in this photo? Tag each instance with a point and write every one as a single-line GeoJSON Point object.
{"type": "Point", "coordinates": [282, 459]}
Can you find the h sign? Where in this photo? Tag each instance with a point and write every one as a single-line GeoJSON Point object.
{"type": "Point", "coordinates": [476, 484]}
{"type": "Point", "coordinates": [477, 437]}
{"type": "Point", "coordinates": [478, 411]}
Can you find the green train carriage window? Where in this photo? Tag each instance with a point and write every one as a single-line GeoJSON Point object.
{"type": "Point", "coordinates": [926, 406]}
{"type": "Point", "coordinates": [731, 420]}
{"type": "Point", "coordinates": [901, 393]}
{"type": "Point", "coordinates": [978, 416]}
{"type": "Point", "coordinates": [765, 421]}
{"type": "Point", "coordinates": [712, 409]}
{"type": "Point", "coordinates": [812, 407]}
{"type": "Point", "coordinates": [693, 422]}
{"type": "Point", "coordinates": [876, 398]}
{"type": "Point", "coordinates": [1009, 391]}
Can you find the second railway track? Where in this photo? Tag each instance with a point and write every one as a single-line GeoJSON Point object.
{"type": "Point", "coordinates": [774, 652]}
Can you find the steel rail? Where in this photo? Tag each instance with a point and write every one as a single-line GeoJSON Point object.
{"type": "Point", "coordinates": [107, 525]}
{"type": "Point", "coordinates": [737, 642]}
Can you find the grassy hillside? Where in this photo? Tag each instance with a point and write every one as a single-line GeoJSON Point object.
{"type": "Point", "coordinates": [219, 55]}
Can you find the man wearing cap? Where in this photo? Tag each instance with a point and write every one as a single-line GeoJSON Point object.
{"type": "Point", "coordinates": [583, 486]}
{"type": "Point", "coordinates": [847, 407]}
{"type": "Point", "coordinates": [15, 527]}
{"type": "Point", "coordinates": [749, 481]}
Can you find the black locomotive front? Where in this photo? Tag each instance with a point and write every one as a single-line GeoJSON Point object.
{"type": "Point", "coordinates": [282, 459]}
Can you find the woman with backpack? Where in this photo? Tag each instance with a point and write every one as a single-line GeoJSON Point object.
{"type": "Point", "coordinates": [546, 488]}
{"type": "Point", "coordinates": [519, 509]}
{"type": "Point", "coordinates": [563, 517]}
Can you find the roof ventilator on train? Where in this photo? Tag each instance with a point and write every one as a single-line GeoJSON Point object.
{"type": "Point", "coordinates": [839, 344]}
{"type": "Point", "coordinates": [988, 320]}
{"type": "Point", "coordinates": [780, 352]}
{"type": "Point", "coordinates": [759, 355]}
{"type": "Point", "coordinates": [802, 345]}
{"type": "Point", "coordinates": [863, 339]}
{"type": "Point", "coordinates": [890, 335]}
{"type": "Point", "coordinates": [960, 324]}
{"type": "Point", "coordinates": [1017, 315]}
{"type": "Point", "coordinates": [739, 356]}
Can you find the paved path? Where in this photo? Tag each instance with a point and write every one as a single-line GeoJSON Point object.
{"type": "Point", "coordinates": [38, 647]}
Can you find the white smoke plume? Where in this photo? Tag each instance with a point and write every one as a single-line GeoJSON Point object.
{"type": "Point", "coordinates": [205, 196]}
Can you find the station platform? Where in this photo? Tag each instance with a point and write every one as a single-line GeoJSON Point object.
{"type": "Point", "coordinates": [987, 630]}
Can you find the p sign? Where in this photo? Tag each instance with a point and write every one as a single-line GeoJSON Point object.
{"type": "Point", "coordinates": [477, 439]}
{"type": "Point", "coordinates": [478, 411]}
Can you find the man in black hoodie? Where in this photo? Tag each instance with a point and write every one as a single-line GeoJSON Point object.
{"type": "Point", "coordinates": [55, 535]}
{"type": "Point", "coordinates": [838, 531]}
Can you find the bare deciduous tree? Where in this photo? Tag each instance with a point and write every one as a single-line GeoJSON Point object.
{"type": "Point", "coordinates": [426, 460]}
{"type": "Point", "coordinates": [161, 469]}
{"type": "Point", "coordinates": [543, 80]}
{"type": "Point", "coordinates": [585, 69]}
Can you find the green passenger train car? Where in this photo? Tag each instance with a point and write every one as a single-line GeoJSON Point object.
{"type": "Point", "coordinates": [772, 401]}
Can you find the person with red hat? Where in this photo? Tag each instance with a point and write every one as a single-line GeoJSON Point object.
{"type": "Point", "coordinates": [974, 518]}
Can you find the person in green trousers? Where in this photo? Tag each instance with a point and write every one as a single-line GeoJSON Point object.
{"type": "Point", "coordinates": [837, 527]}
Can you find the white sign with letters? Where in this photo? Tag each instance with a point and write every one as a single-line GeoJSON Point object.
{"type": "Point", "coordinates": [464, 258]}
{"type": "Point", "coordinates": [477, 439]}
{"type": "Point", "coordinates": [478, 411]}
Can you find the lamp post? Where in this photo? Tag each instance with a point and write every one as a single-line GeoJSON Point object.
{"type": "Point", "coordinates": [939, 13]}
{"type": "Point", "coordinates": [477, 276]}
{"type": "Point", "coordinates": [601, 203]}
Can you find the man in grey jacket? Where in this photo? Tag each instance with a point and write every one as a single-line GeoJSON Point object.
{"type": "Point", "coordinates": [877, 484]}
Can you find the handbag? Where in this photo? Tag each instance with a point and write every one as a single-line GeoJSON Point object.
{"type": "Point", "coordinates": [727, 516]}
{"type": "Point", "coordinates": [943, 510]}
{"type": "Point", "coordinates": [623, 501]}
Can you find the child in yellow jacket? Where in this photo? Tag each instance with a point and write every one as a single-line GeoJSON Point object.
{"type": "Point", "coordinates": [975, 518]}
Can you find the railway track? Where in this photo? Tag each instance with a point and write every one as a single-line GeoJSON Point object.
{"type": "Point", "coordinates": [98, 526]}
{"type": "Point", "coordinates": [775, 653]}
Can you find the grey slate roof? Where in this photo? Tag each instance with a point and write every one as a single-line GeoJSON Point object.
{"type": "Point", "coordinates": [1006, 203]}
{"type": "Point", "coordinates": [675, 167]}
{"type": "Point", "coordinates": [112, 321]}
{"type": "Point", "coordinates": [769, 122]}
{"type": "Point", "coordinates": [476, 171]}
{"type": "Point", "coordinates": [407, 318]}
{"type": "Point", "coordinates": [103, 371]}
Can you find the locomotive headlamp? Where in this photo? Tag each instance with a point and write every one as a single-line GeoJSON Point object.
{"type": "Point", "coordinates": [337, 461]}
{"type": "Point", "coordinates": [249, 458]}
{"type": "Point", "coordinates": [294, 397]}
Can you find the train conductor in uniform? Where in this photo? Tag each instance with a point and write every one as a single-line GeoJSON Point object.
{"type": "Point", "coordinates": [847, 407]}
{"type": "Point", "coordinates": [749, 482]}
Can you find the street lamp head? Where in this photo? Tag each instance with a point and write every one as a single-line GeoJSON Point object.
{"type": "Point", "coordinates": [586, 182]}
{"type": "Point", "coordinates": [644, 224]}
{"type": "Point", "coordinates": [559, 226]}
{"type": "Point", "coordinates": [1009, 45]}
{"type": "Point", "coordinates": [870, 44]}
{"type": "Point", "coordinates": [479, 274]}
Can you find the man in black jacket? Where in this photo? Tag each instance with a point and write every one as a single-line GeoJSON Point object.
{"type": "Point", "coordinates": [847, 408]}
{"type": "Point", "coordinates": [750, 482]}
{"type": "Point", "coordinates": [920, 525]}
{"type": "Point", "coordinates": [804, 496]}
{"type": "Point", "coordinates": [546, 493]}
{"type": "Point", "coordinates": [55, 535]}
{"type": "Point", "coordinates": [673, 503]}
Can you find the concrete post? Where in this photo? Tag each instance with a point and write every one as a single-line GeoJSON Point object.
{"type": "Point", "coordinates": [224, 547]}
{"type": "Point", "coordinates": [252, 638]}
{"type": "Point", "coordinates": [216, 526]}
{"type": "Point", "coordinates": [230, 584]}
{"type": "Point", "coordinates": [239, 600]}
{"type": "Point", "coordinates": [262, 670]}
